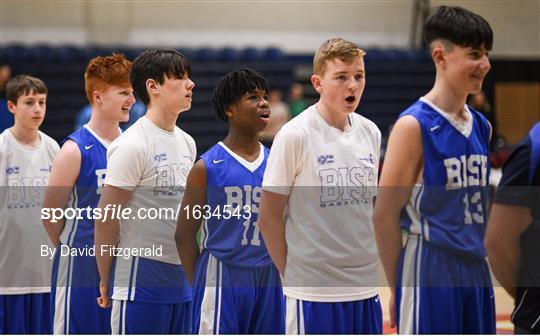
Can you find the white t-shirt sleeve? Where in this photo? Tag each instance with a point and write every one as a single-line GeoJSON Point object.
{"type": "Point", "coordinates": [55, 148]}
{"type": "Point", "coordinates": [378, 147]}
{"type": "Point", "coordinates": [125, 165]}
{"type": "Point", "coordinates": [285, 161]}
{"type": "Point", "coordinates": [192, 147]}
{"type": "Point", "coordinates": [377, 144]}
{"type": "Point", "coordinates": [52, 146]}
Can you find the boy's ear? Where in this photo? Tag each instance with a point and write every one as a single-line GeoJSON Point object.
{"type": "Point", "coordinates": [438, 54]}
{"type": "Point", "coordinates": [229, 112]}
{"type": "Point", "coordinates": [11, 106]}
{"type": "Point", "coordinates": [316, 82]}
{"type": "Point", "coordinates": [151, 86]}
{"type": "Point", "coordinates": [96, 97]}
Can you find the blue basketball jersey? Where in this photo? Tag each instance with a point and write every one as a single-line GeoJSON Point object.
{"type": "Point", "coordinates": [75, 278]}
{"type": "Point", "coordinates": [449, 209]}
{"type": "Point", "coordinates": [230, 231]}
{"type": "Point", "coordinates": [87, 189]}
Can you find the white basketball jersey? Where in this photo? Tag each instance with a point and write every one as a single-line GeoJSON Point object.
{"type": "Point", "coordinates": [331, 178]}
{"type": "Point", "coordinates": [154, 164]}
{"type": "Point", "coordinates": [23, 176]}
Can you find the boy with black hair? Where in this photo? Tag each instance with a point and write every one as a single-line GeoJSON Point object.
{"type": "Point", "coordinates": [440, 146]}
{"type": "Point", "coordinates": [26, 156]}
{"type": "Point", "coordinates": [233, 275]}
{"type": "Point", "coordinates": [147, 170]}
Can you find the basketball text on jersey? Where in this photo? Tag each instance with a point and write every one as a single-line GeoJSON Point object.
{"type": "Point", "coordinates": [100, 179]}
{"type": "Point", "coordinates": [25, 192]}
{"type": "Point", "coordinates": [166, 183]}
{"type": "Point", "coordinates": [347, 186]}
{"type": "Point", "coordinates": [466, 171]}
{"type": "Point", "coordinates": [246, 196]}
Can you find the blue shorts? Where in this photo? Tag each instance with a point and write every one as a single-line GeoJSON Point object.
{"type": "Point", "coordinates": [440, 293]}
{"type": "Point", "coordinates": [233, 300]}
{"type": "Point", "coordinates": [351, 317]}
{"type": "Point", "coordinates": [131, 317]}
{"type": "Point", "coordinates": [25, 314]}
{"type": "Point", "coordinates": [74, 290]}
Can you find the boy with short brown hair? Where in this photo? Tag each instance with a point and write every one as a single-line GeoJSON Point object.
{"type": "Point", "coordinates": [26, 155]}
{"type": "Point", "coordinates": [316, 206]}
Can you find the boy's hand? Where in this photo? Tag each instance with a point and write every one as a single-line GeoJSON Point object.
{"type": "Point", "coordinates": [103, 301]}
{"type": "Point", "coordinates": [392, 310]}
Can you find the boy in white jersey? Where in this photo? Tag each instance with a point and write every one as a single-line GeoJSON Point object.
{"type": "Point", "coordinates": [440, 280]}
{"type": "Point", "coordinates": [26, 155]}
{"type": "Point", "coordinates": [316, 204]}
{"type": "Point", "coordinates": [147, 170]}
{"type": "Point", "coordinates": [76, 180]}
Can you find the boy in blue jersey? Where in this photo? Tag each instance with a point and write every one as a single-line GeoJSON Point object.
{"type": "Point", "coordinates": [76, 181]}
{"type": "Point", "coordinates": [237, 289]}
{"type": "Point", "coordinates": [147, 170]}
{"type": "Point", "coordinates": [441, 282]}
{"type": "Point", "coordinates": [26, 155]}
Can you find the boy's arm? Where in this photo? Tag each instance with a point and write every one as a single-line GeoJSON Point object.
{"type": "Point", "coordinates": [506, 224]}
{"type": "Point", "coordinates": [272, 226]}
{"type": "Point", "coordinates": [188, 226]}
{"type": "Point", "coordinates": [125, 166]}
{"type": "Point", "coordinates": [106, 230]}
{"type": "Point", "coordinates": [509, 218]}
{"type": "Point", "coordinates": [402, 164]}
{"type": "Point", "coordinates": [285, 162]}
{"type": "Point", "coordinates": [64, 173]}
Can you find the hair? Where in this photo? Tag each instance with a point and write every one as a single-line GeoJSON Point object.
{"type": "Point", "coordinates": [157, 64]}
{"type": "Point", "coordinates": [104, 71]}
{"type": "Point", "coordinates": [231, 87]}
{"type": "Point", "coordinates": [21, 85]}
{"type": "Point", "coordinates": [458, 26]}
{"type": "Point", "coordinates": [331, 49]}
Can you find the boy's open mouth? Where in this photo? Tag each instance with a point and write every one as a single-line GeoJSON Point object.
{"type": "Point", "coordinates": [350, 99]}
{"type": "Point", "coordinates": [265, 114]}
